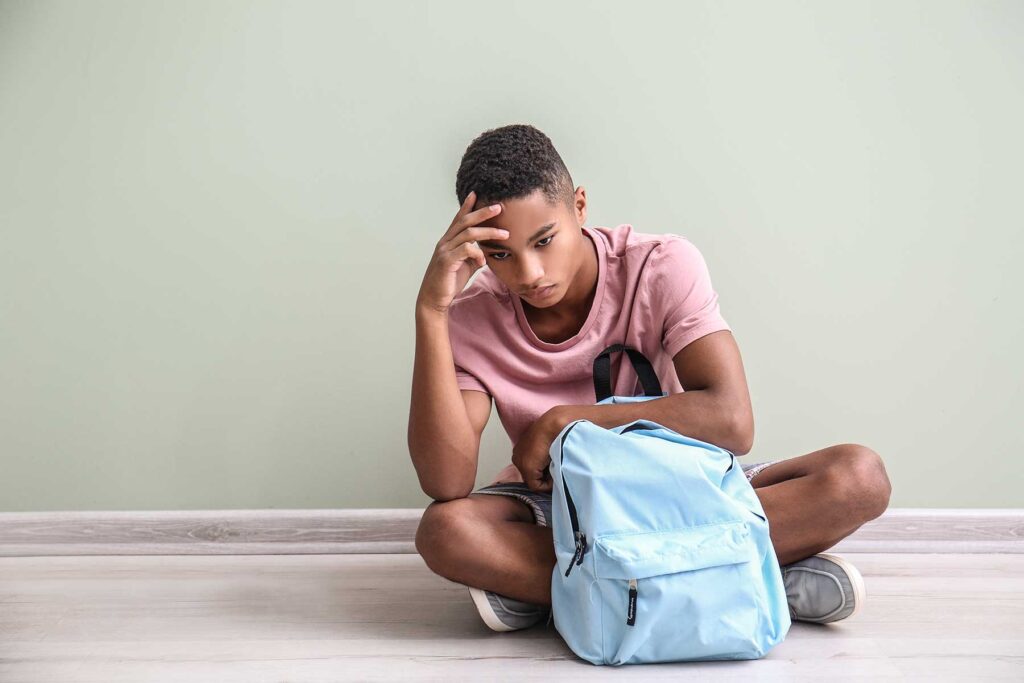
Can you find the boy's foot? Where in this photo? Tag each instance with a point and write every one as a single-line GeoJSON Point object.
{"type": "Point", "coordinates": [503, 613]}
{"type": "Point", "coordinates": [823, 588]}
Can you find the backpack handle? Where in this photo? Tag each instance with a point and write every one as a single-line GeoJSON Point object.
{"type": "Point", "coordinates": [642, 366]}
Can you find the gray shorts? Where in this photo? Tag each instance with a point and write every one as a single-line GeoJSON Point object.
{"type": "Point", "coordinates": [540, 501]}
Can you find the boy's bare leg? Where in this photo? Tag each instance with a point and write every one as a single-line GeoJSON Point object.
{"type": "Point", "coordinates": [815, 500]}
{"type": "Point", "coordinates": [812, 501]}
{"type": "Point", "coordinates": [489, 542]}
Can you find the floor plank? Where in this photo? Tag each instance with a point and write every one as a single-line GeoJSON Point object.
{"type": "Point", "coordinates": [387, 616]}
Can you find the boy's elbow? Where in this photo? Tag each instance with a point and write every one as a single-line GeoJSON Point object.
{"type": "Point", "coordinates": [743, 434]}
{"type": "Point", "coordinates": [443, 495]}
{"type": "Point", "coordinates": [444, 481]}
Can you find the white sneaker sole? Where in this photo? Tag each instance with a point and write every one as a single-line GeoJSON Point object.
{"type": "Point", "coordinates": [855, 579]}
{"type": "Point", "coordinates": [483, 605]}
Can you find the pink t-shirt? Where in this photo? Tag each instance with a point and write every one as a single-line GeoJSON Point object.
{"type": "Point", "coordinates": [654, 294]}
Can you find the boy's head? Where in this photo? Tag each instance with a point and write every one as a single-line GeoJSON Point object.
{"type": "Point", "coordinates": [513, 162]}
{"type": "Point", "coordinates": [517, 167]}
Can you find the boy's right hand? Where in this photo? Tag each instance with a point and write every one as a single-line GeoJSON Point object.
{"type": "Point", "coordinates": [457, 256]}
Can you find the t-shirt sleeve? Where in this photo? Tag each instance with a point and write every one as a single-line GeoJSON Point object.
{"type": "Point", "coordinates": [464, 353]}
{"type": "Point", "coordinates": [683, 295]}
{"type": "Point", "coordinates": [468, 380]}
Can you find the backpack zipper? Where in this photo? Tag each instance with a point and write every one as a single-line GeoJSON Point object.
{"type": "Point", "coordinates": [581, 539]}
{"type": "Point", "coordinates": [579, 536]}
{"type": "Point", "coordinates": [631, 610]}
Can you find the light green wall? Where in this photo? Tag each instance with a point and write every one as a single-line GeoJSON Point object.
{"type": "Point", "coordinates": [215, 217]}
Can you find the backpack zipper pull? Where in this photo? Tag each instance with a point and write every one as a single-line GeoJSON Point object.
{"type": "Point", "coordinates": [581, 548]}
{"type": "Point", "coordinates": [631, 611]}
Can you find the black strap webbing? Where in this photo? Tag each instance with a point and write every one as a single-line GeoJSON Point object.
{"type": "Point", "coordinates": [642, 366]}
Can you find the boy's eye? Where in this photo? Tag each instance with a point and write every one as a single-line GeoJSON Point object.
{"type": "Point", "coordinates": [540, 243]}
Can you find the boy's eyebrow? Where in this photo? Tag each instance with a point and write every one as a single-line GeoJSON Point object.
{"type": "Point", "coordinates": [491, 244]}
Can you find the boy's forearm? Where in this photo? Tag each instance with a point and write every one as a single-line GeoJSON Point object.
{"type": "Point", "coordinates": [697, 413]}
{"type": "Point", "coordinates": [441, 440]}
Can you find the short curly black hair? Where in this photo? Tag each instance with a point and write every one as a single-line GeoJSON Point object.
{"type": "Point", "coordinates": [512, 162]}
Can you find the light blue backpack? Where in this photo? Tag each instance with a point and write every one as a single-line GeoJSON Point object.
{"type": "Point", "coordinates": [662, 546]}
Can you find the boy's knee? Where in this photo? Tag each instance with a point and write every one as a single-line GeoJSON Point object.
{"type": "Point", "coordinates": [861, 481]}
{"type": "Point", "coordinates": [439, 527]}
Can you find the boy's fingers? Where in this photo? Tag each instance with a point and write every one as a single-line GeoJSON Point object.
{"type": "Point", "coordinates": [473, 219]}
{"type": "Point", "coordinates": [459, 222]}
{"type": "Point", "coordinates": [463, 210]}
{"type": "Point", "coordinates": [477, 234]}
{"type": "Point", "coordinates": [539, 480]}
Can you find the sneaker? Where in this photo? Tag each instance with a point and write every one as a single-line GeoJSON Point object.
{"type": "Point", "coordinates": [503, 613]}
{"type": "Point", "coordinates": [823, 588]}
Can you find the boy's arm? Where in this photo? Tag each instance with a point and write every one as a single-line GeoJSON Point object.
{"type": "Point", "coordinates": [445, 422]}
{"type": "Point", "coordinates": [715, 406]}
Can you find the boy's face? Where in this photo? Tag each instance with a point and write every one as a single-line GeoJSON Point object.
{"type": "Point", "coordinates": [544, 246]}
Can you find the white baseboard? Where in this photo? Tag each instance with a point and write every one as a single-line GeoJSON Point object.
{"type": "Point", "coordinates": [263, 532]}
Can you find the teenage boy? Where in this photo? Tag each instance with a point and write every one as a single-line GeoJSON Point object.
{"type": "Point", "coordinates": [525, 333]}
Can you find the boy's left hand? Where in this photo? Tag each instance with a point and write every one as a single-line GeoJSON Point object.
{"type": "Point", "coordinates": [531, 453]}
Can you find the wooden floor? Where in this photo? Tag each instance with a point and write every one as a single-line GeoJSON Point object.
{"type": "Point", "coordinates": [388, 617]}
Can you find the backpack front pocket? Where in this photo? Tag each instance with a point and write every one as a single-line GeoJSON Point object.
{"type": "Point", "coordinates": [676, 589]}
